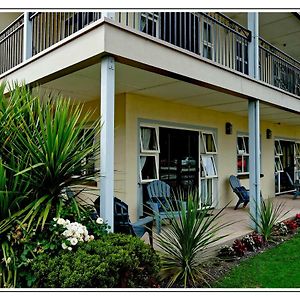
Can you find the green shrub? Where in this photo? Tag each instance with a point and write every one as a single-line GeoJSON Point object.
{"type": "Point", "coordinates": [114, 261]}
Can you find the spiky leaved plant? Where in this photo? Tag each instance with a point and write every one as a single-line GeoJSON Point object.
{"type": "Point", "coordinates": [43, 152]}
{"type": "Point", "coordinates": [269, 215]}
{"type": "Point", "coordinates": [184, 242]}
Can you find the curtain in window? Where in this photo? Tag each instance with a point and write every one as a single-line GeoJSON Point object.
{"type": "Point", "coordinates": [145, 136]}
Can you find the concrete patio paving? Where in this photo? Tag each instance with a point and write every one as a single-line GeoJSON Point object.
{"type": "Point", "coordinates": [240, 222]}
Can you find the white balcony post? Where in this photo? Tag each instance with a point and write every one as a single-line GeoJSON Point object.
{"type": "Point", "coordinates": [254, 123]}
{"type": "Point", "coordinates": [107, 140]}
{"type": "Point", "coordinates": [253, 52]}
{"type": "Point", "coordinates": [27, 38]}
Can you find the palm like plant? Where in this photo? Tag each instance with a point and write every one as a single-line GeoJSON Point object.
{"type": "Point", "coordinates": [269, 215]}
{"type": "Point", "coordinates": [42, 153]}
{"type": "Point", "coordinates": [183, 243]}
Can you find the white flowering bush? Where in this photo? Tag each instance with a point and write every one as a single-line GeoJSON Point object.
{"type": "Point", "coordinates": [72, 233]}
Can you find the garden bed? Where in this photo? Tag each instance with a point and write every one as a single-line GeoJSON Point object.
{"type": "Point", "coordinates": [218, 268]}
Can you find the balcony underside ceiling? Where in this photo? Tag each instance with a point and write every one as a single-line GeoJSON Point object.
{"type": "Point", "coordinates": [84, 85]}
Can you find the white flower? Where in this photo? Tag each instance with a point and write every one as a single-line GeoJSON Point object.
{"type": "Point", "coordinates": [8, 260]}
{"type": "Point", "coordinates": [91, 237]}
{"type": "Point", "coordinates": [70, 248]}
{"type": "Point", "coordinates": [64, 246]}
{"type": "Point", "coordinates": [73, 241]}
{"type": "Point", "coordinates": [61, 221]}
{"type": "Point", "coordinates": [54, 219]}
{"type": "Point", "coordinates": [99, 221]}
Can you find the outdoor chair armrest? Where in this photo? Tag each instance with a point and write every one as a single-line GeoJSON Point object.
{"type": "Point", "coordinates": [143, 221]}
{"type": "Point", "coordinates": [154, 206]}
{"type": "Point", "coordinates": [141, 226]}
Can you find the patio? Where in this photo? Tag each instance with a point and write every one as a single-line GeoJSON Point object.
{"type": "Point", "coordinates": [240, 222]}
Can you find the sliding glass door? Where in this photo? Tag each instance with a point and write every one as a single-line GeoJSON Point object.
{"type": "Point", "coordinates": [286, 165]}
{"type": "Point", "coordinates": [179, 158]}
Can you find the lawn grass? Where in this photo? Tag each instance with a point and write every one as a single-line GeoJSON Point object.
{"type": "Point", "coordinates": [278, 267]}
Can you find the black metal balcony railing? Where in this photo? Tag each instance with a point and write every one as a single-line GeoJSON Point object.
{"type": "Point", "coordinates": [51, 27]}
{"type": "Point", "coordinates": [210, 35]}
{"type": "Point", "coordinates": [11, 45]}
{"type": "Point", "coordinates": [278, 68]}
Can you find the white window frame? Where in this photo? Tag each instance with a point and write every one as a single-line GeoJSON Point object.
{"type": "Point", "coordinates": [204, 142]}
{"type": "Point", "coordinates": [243, 153]}
{"type": "Point", "coordinates": [275, 149]}
{"type": "Point", "coordinates": [145, 152]}
{"type": "Point", "coordinates": [206, 176]}
{"type": "Point", "coordinates": [152, 17]}
{"type": "Point", "coordinates": [156, 137]}
{"type": "Point", "coordinates": [156, 168]}
{"type": "Point", "coordinates": [280, 170]}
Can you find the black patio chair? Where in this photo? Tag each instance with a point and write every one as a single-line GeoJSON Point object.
{"type": "Point", "coordinates": [122, 223]}
{"type": "Point", "coordinates": [240, 191]}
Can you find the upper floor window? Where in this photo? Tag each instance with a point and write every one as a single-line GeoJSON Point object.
{"type": "Point", "coordinates": [241, 51]}
{"type": "Point", "coordinates": [149, 23]}
{"type": "Point", "coordinates": [207, 40]}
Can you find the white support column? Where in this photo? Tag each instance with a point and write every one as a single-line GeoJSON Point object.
{"type": "Point", "coordinates": [254, 121]}
{"type": "Point", "coordinates": [254, 159]}
{"type": "Point", "coordinates": [107, 140]}
{"type": "Point", "coordinates": [27, 38]}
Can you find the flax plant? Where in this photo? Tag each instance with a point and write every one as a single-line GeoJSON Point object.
{"type": "Point", "coordinates": [269, 215]}
{"type": "Point", "coordinates": [184, 242]}
{"type": "Point", "coordinates": [42, 153]}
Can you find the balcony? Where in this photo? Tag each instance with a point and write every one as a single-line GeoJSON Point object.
{"type": "Point", "coordinates": [212, 36]}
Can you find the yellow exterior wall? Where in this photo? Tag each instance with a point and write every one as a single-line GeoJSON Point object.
{"type": "Point", "coordinates": [140, 107]}
{"type": "Point", "coordinates": [130, 108]}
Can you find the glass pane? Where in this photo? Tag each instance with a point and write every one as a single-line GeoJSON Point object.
{"type": "Point", "coordinates": [278, 165]}
{"type": "Point", "coordinates": [148, 167]}
{"type": "Point", "coordinates": [276, 183]}
{"type": "Point", "coordinates": [240, 145]}
{"type": "Point", "coordinates": [148, 23]}
{"type": "Point", "coordinates": [278, 150]}
{"type": "Point", "coordinates": [246, 164]}
{"type": "Point", "coordinates": [246, 142]}
{"type": "Point", "coordinates": [206, 192]}
{"type": "Point", "coordinates": [179, 157]}
{"type": "Point", "coordinates": [209, 142]}
{"type": "Point", "coordinates": [209, 166]}
{"type": "Point", "coordinates": [298, 163]}
{"type": "Point", "coordinates": [207, 32]}
{"type": "Point", "coordinates": [207, 52]}
{"type": "Point", "coordinates": [297, 149]}
{"type": "Point", "coordinates": [240, 164]}
{"type": "Point", "coordinates": [148, 139]}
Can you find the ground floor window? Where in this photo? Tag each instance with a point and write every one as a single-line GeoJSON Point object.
{"type": "Point", "coordinates": [287, 164]}
{"type": "Point", "coordinates": [243, 154]}
{"type": "Point", "coordinates": [182, 158]}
